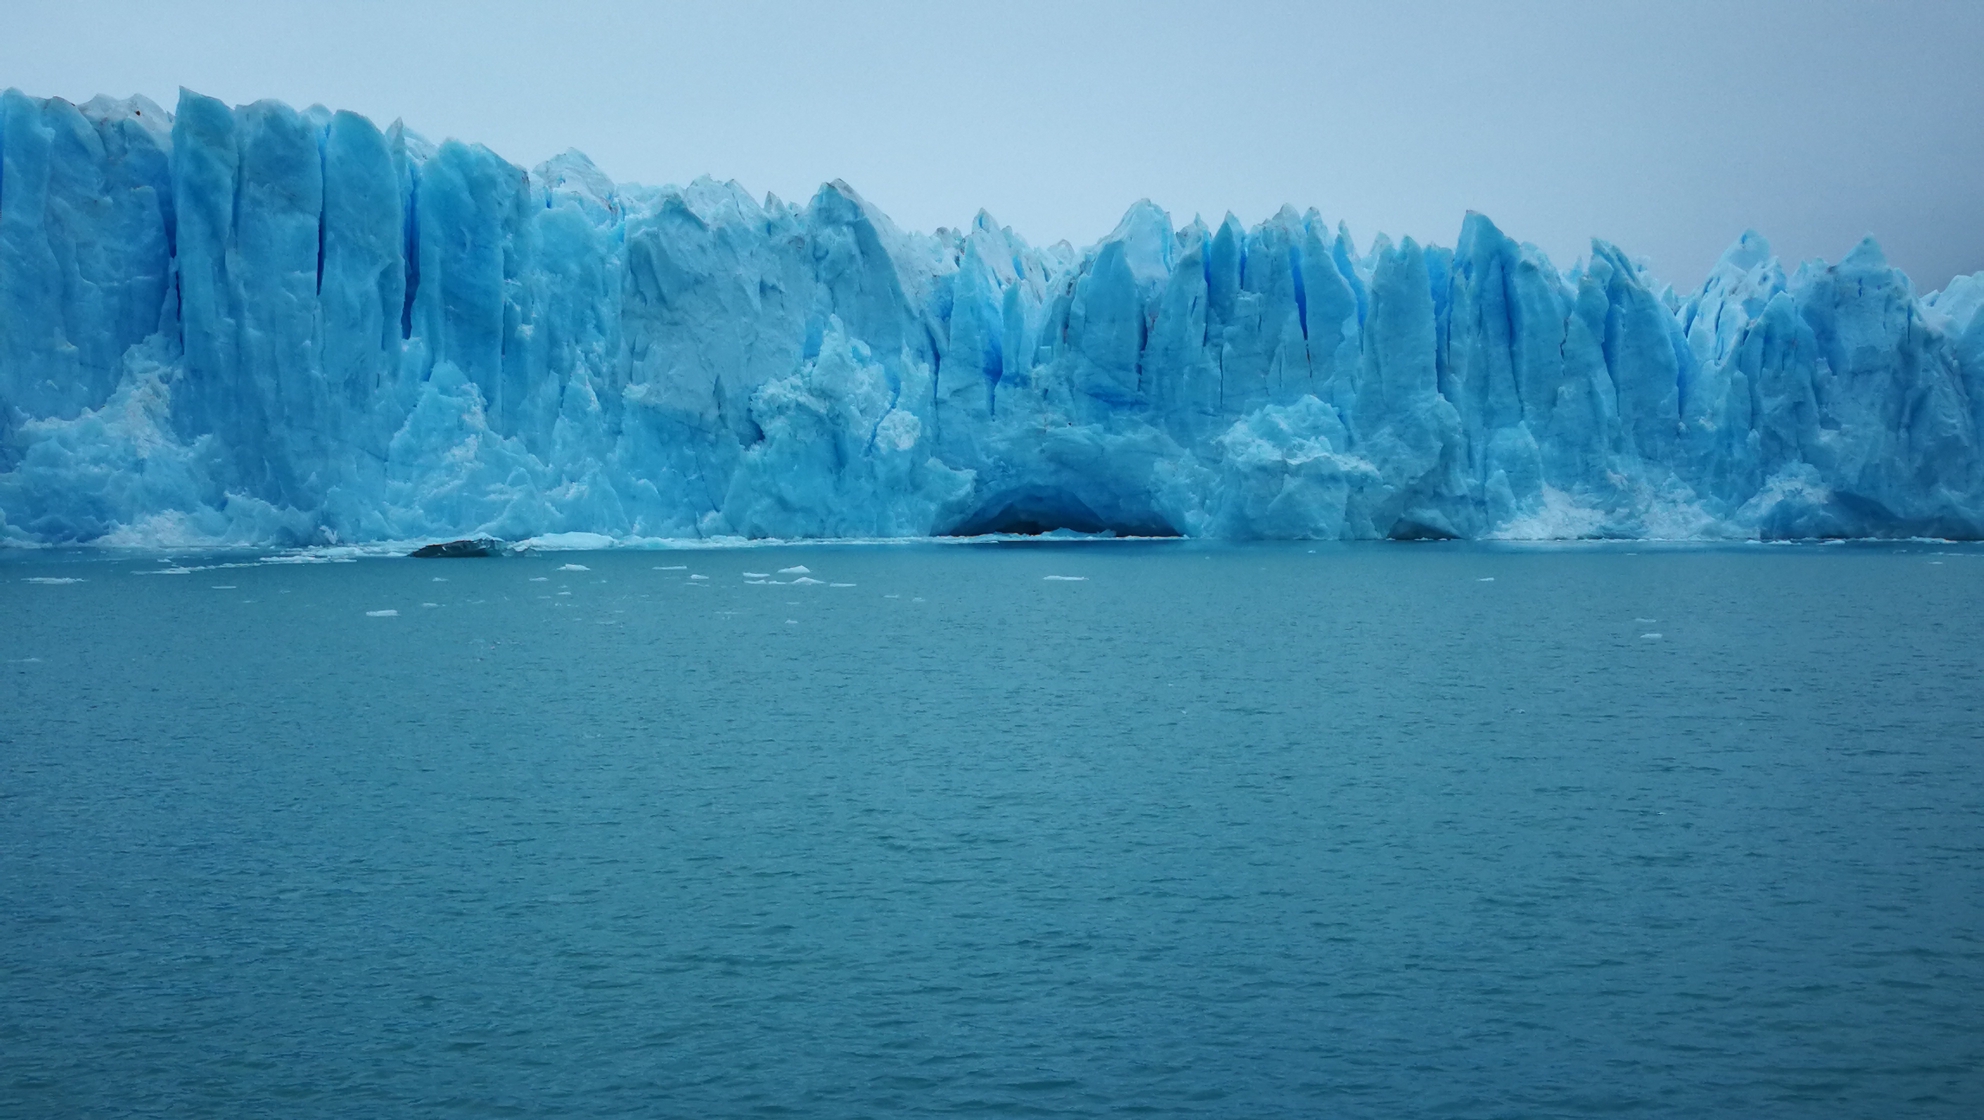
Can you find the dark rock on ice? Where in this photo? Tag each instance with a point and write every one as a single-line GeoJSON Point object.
{"type": "Point", "coordinates": [455, 550]}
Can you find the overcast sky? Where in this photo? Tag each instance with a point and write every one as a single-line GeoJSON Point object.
{"type": "Point", "coordinates": [1666, 128]}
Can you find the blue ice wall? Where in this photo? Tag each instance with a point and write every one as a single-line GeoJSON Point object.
{"type": "Point", "coordinates": [254, 324]}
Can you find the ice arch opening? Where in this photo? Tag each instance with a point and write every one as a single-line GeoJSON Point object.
{"type": "Point", "coordinates": [1415, 529]}
{"type": "Point", "coordinates": [1031, 511]}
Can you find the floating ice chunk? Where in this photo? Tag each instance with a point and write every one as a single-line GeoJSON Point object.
{"type": "Point", "coordinates": [564, 593]}
{"type": "Point", "coordinates": [796, 570]}
{"type": "Point", "coordinates": [754, 582]}
{"type": "Point", "coordinates": [438, 579]}
{"type": "Point", "coordinates": [1651, 636]}
{"type": "Point", "coordinates": [757, 575]}
{"type": "Point", "coordinates": [430, 604]}
{"type": "Point", "coordinates": [54, 579]}
{"type": "Point", "coordinates": [673, 568]}
{"type": "Point", "coordinates": [1646, 621]}
{"type": "Point", "coordinates": [1486, 579]}
{"type": "Point", "coordinates": [382, 614]}
{"type": "Point", "coordinates": [224, 587]}
{"type": "Point", "coordinates": [840, 585]}
{"type": "Point", "coordinates": [792, 622]}
{"type": "Point", "coordinates": [1066, 579]}
{"type": "Point", "coordinates": [699, 577]}
{"type": "Point", "coordinates": [806, 579]}
{"type": "Point", "coordinates": [573, 568]}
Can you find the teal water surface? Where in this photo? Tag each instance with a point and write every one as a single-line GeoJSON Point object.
{"type": "Point", "coordinates": [1219, 831]}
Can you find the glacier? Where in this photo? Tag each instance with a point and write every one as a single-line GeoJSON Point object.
{"type": "Point", "coordinates": [259, 325]}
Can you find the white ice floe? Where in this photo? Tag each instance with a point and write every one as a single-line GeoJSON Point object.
{"type": "Point", "coordinates": [757, 575]}
{"type": "Point", "coordinates": [840, 585]}
{"type": "Point", "coordinates": [672, 568]}
{"type": "Point", "coordinates": [1651, 636]}
{"type": "Point", "coordinates": [573, 568]}
{"type": "Point", "coordinates": [796, 570]}
{"type": "Point", "coordinates": [1066, 579]}
{"type": "Point", "coordinates": [382, 614]}
{"type": "Point", "coordinates": [54, 579]}
{"type": "Point", "coordinates": [699, 577]}
{"type": "Point", "coordinates": [807, 579]}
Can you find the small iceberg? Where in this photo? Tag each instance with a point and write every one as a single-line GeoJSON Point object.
{"type": "Point", "coordinates": [573, 568]}
{"type": "Point", "coordinates": [382, 614]}
{"type": "Point", "coordinates": [1066, 579]}
{"type": "Point", "coordinates": [796, 570]}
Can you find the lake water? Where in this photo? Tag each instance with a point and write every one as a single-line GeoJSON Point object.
{"type": "Point", "coordinates": [1371, 831]}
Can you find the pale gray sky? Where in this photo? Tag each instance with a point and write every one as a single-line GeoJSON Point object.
{"type": "Point", "coordinates": [1667, 128]}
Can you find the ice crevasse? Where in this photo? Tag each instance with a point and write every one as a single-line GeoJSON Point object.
{"type": "Point", "coordinates": [255, 324]}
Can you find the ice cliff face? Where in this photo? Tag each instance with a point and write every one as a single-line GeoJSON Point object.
{"type": "Point", "coordinates": [260, 325]}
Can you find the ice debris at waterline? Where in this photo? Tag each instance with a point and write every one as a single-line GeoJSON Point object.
{"type": "Point", "coordinates": [259, 325]}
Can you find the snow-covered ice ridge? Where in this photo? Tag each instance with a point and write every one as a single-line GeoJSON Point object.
{"type": "Point", "coordinates": [255, 324]}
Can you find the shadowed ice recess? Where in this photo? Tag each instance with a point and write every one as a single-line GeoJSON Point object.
{"type": "Point", "coordinates": [259, 325]}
